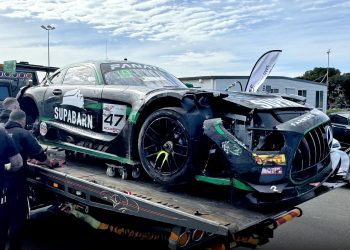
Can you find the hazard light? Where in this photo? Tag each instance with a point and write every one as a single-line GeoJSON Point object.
{"type": "Point", "coordinates": [16, 75]}
{"type": "Point", "coordinates": [184, 238]}
{"type": "Point", "coordinates": [197, 235]}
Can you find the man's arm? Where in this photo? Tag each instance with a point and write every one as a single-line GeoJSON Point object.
{"type": "Point", "coordinates": [35, 151]}
{"type": "Point", "coordinates": [15, 159]}
{"type": "Point", "coordinates": [33, 147]}
{"type": "Point", "coordinates": [16, 163]}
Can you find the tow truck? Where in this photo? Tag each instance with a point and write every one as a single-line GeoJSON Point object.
{"type": "Point", "coordinates": [14, 76]}
{"type": "Point", "coordinates": [195, 217]}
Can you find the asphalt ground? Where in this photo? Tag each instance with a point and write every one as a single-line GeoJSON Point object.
{"type": "Point", "coordinates": [325, 224]}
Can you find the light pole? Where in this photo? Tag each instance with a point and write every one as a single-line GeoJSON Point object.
{"type": "Point", "coordinates": [329, 51]}
{"type": "Point", "coordinates": [48, 28]}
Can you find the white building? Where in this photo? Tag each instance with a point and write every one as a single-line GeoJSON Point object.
{"type": "Point", "coordinates": [315, 93]}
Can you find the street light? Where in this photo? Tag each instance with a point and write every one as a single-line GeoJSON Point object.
{"type": "Point", "coordinates": [329, 51]}
{"type": "Point", "coordinates": [48, 28]}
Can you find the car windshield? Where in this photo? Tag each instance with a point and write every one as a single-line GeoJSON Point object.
{"type": "Point", "coordinates": [139, 75]}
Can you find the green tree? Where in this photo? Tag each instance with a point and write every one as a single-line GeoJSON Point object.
{"type": "Point", "coordinates": [319, 74]}
{"type": "Point", "coordinates": [338, 85]}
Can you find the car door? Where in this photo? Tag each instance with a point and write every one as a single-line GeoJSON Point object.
{"type": "Point", "coordinates": [72, 99]}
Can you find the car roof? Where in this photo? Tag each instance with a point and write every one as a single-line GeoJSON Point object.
{"type": "Point", "coordinates": [97, 62]}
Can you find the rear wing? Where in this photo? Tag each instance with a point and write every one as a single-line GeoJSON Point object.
{"type": "Point", "coordinates": [23, 72]}
{"type": "Point", "coordinates": [33, 67]}
{"type": "Point", "coordinates": [14, 76]}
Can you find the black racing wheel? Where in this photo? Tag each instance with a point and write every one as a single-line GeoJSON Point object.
{"type": "Point", "coordinates": [166, 146]}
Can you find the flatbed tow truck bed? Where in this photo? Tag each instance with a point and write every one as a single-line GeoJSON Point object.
{"type": "Point", "coordinates": [192, 208]}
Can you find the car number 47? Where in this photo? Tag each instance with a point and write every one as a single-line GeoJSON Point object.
{"type": "Point", "coordinates": [113, 118]}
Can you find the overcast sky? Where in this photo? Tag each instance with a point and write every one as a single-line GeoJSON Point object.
{"type": "Point", "coordinates": [187, 38]}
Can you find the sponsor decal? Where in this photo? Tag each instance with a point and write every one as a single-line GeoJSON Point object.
{"type": "Point", "coordinates": [274, 189]}
{"type": "Point", "coordinates": [165, 158]}
{"type": "Point", "coordinates": [43, 128]}
{"type": "Point", "coordinates": [302, 120]}
{"type": "Point", "coordinates": [113, 117]}
{"type": "Point", "coordinates": [132, 66]}
{"type": "Point", "coordinates": [270, 103]}
{"type": "Point", "coordinates": [279, 159]}
{"type": "Point", "coordinates": [72, 110]}
{"type": "Point", "coordinates": [271, 170]}
{"type": "Point", "coordinates": [73, 98]}
{"type": "Point", "coordinates": [231, 148]}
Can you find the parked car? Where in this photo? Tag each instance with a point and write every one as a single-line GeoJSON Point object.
{"type": "Point", "coordinates": [141, 117]}
{"type": "Point", "coordinates": [341, 127]}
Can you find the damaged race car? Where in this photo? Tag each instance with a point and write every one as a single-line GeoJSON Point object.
{"type": "Point", "coordinates": [142, 118]}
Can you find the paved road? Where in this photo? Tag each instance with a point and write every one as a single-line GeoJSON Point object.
{"type": "Point", "coordinates": [325, 224]}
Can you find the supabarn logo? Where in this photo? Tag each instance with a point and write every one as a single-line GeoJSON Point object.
{"type": "Point", "coordinates": [72, 111]}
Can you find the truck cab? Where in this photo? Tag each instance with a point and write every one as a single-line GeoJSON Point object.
{"type": "Point", "coordinates": [24, 74]}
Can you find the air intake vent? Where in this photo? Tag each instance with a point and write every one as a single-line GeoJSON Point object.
{"type": "Point", "coordinates": [312, 153]}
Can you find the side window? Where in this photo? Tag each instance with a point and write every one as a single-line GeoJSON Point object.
{"type": "Point", "coordinates": [290, 91]}
{"type": "Point", "coordinates": [302, 92]}
{"type": "Point", "coordinates": [80, 75]}
{"type": "Point", "coordinates": [319, 99]}
{"type": "Point", "coordinates": [56, 78]}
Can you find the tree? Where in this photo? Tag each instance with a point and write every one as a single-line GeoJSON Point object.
{"type": "Point", "coordinates": [319, 74]}
{"type": "Point", "coordinates": [338, 85]}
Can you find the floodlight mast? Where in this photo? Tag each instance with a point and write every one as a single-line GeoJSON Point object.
{"type": "Point", "coordinates": [48, 28]}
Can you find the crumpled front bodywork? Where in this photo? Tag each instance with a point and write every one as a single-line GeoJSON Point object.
{"type": "Point", "coordinates": [276, 151]}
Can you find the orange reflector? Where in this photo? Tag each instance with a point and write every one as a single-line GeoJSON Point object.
{"type": "Point", "coordinates": [296, 212]}
{"type": "Point", "coordinates": [174, 236]}
{"type": "Point", "coordinates": [55, 185]}
{"type": "Point", "coordinates": [197, 235]}
{"type": "Point", "coordinates": [184, 239]}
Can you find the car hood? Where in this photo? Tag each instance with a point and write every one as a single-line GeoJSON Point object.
{"type": "Point", "coordinates": [245, 99]}
{"type": "Point", "coordinates": [260, 101]}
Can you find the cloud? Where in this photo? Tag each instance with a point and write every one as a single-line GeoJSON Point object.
{"type": "Point", "coordinates": [187, 37]}
{"type": "Point", "coordinates": [146, 20]}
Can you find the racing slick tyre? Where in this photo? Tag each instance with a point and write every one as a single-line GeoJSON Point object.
{"type": "Point", "coordinates": [166, 146]}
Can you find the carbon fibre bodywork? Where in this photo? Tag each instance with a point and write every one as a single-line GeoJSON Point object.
{"type": "Point", "coordinates": [137, 115]}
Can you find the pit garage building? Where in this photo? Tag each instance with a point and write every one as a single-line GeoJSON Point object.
{"type": "Point", "coordinates": [315, 93]}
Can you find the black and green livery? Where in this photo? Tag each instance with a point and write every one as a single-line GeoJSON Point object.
{"type": "Point", "coordinates": [133, 114]}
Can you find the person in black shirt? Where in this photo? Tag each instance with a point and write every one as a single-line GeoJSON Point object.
{"type": "Point", "coordinates": [27, 146]}
{"type": "Point", "coordinates": [9, 156]}
{"type": "Point", "coordinates": [9, 104]}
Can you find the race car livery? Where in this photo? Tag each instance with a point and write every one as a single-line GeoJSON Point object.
{"type": "Point", "coordinates": [140, 116]}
